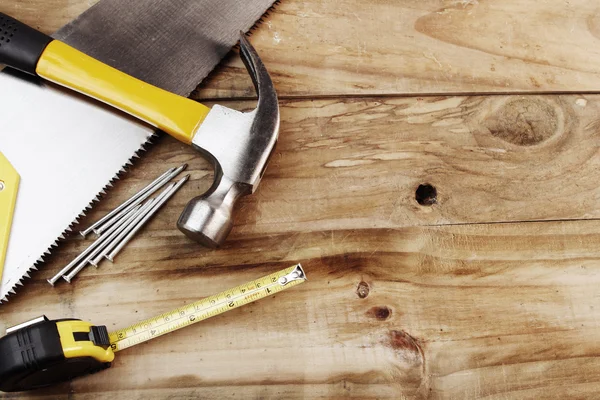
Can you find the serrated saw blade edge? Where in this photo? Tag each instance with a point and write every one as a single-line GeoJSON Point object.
{"type": "Point", "coordinates": [75, 155]}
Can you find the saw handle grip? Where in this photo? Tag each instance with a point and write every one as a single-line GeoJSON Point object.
{"type": "Point", "coordinates": [21, 46]}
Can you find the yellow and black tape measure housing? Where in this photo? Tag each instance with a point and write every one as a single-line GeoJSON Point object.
{"type": "Point", "coordinates": [41, 353]}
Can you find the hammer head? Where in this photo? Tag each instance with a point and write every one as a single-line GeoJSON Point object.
{"type": "Point", "coordinates": [238, 145]}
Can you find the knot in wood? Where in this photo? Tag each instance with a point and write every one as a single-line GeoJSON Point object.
{"type": "Point", "coordinates": [405, 346]}
{"type": "Point", "coordinates": [524, 122]}
{"type": "Point", "coordinates": [362, 290]}
{"type": "Point", "coordinates": [381, 312]}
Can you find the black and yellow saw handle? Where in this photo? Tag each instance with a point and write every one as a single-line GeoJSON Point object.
{"type": "Point", "coordinates": [40, 353]}
{"type": "Point", "coordinates": [33, 52]}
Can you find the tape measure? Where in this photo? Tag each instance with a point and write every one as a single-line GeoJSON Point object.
{"type": "Point", "coordinates": [41, 352]}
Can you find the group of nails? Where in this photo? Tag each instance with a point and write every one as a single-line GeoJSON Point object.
{"type": "Point", "coordinates": [117, 228]}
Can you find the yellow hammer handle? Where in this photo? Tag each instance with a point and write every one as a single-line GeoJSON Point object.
{"type": "Point", "coordinates": [173, 114]}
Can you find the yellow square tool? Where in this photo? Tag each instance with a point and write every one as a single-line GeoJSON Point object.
{"type": "Point", "coordinates": [9, 185]}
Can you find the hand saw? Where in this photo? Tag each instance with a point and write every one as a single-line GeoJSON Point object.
{"type": "Point", "coordinates": [69, 149]}
{"type": "Point", "coordinates": [61, 350]}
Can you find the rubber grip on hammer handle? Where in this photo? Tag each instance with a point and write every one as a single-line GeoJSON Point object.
{"type": "Point", "coordinates": [21, 46]}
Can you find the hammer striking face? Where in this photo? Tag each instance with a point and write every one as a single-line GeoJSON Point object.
{"type": "Point", "coordinates": [237, 144]}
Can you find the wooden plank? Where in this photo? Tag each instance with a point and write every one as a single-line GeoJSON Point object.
{"type": "Point", "coordinates": [315, 48]}
{"type": "Point", "coordinates": [357, 163]}
{"type": "Point", "coordinates": [46, 15]}
{"type": "Point", "coordinates": [320, 48]}
{"type": "Point", "coordinates": [503, 310]}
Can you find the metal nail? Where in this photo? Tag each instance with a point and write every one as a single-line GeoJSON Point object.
{"type": "Point", "coordinates": [135, 199]}
{"type": "Point", "coordinates": [107, 239]}
{"type": "Point", "coordinates": [84, 253]}
{"type": "Point", "coordinates": [104, 240]}
{"type": "Point", "coordinates": [116, 240]}
{"type": "Point", "coordinates": [117, 211]}
{"type": "Point", "coordinates": [148, 215]}
{"type": "Point", "coordinates": [159, 185]}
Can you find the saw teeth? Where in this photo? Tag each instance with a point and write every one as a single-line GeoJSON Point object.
{"type": "Point", "coordinates": [36, 265]}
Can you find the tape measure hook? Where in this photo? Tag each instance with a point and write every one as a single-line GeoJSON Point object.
{"type": "Point", "coordinates": [296, 275]}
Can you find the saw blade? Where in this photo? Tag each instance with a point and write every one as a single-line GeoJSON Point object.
{"type": "Point", "coordinates": [67, 148]}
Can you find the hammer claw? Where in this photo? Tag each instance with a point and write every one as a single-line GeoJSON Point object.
{"type": "Point", "coordinates": [238, 145]}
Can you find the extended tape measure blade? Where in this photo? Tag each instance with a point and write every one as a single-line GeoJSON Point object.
{"type": "Point", "coordinates": [207, 307]}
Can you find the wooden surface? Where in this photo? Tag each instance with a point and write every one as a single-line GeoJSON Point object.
{"type": "Point", "coordinates": [491, 292]}
{"type": "Point", "coordinates": [385, 47]}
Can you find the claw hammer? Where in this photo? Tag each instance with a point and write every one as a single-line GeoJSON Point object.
{"type": "Point", "coordinates": [238, 144]}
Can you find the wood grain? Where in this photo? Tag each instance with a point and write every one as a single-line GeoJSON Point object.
{"type": "Point", "coordinates": [391, 309]}
{"type": "Point", "coordinates": [454, 312]}
{"type": "Point", "coordinates": [47, 15]}
{"type": "Point", "coordinates": [471, 297]}
{"type": "Point", "coordinates": [317, 48]}
{"type": "Point", "coordinates": [356, 163]}
{"type": "Point", "coordinates": [322, 48]}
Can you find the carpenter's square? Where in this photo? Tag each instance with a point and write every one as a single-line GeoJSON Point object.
{"type": "Point", "coordinates": [9, 186]}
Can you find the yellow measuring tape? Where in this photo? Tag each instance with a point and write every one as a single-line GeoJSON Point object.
{"type": "Point", "coordinates": [69, 348]}
{"type": "Point", "coordinates": [206, 308]}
